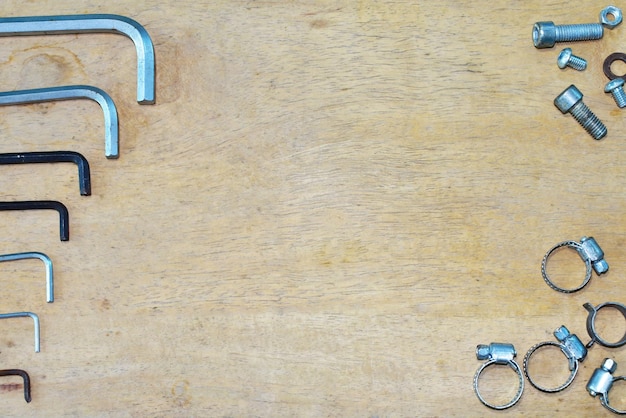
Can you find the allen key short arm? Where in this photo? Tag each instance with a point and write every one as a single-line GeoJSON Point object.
{"type": "Point", "coordinates": [24, 375]}
{"type": "Point", "coordinates": [111, 129]}
{"type": "Point", "coordinates": [64, 216]}
{"type": "Point", "coordinates": [84, 177]}
{"type": "Point", "coordinates": [47, 263]}
{"type": "Point", "coordinates": [94, 23]}
{"type": "Point", "coordinates": [24, 315]}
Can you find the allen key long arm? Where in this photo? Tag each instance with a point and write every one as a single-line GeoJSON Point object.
{"type": "Point", "coordinates": [111, 129]}
{"type": "Point", "coordinates": [46, 261]}
{"type": "Point", "coordinates": [24, 315]}
{"type": "Point", "coordinates": [84, 176]}
{"type": "Point", "coordinates": [64, 216]}
{"type": "Point", "coordinates": [94, 23]}
{"type": "Point", "coordinates": [24, 375]}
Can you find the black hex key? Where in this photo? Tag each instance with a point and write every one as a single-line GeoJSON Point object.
{"type": "Point", "coordinates": [64, 216]}
{"type": "Point", "coordinates": [84, 176]}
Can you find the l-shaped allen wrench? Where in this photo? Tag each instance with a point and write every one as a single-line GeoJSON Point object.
{"type": "Point", "coordinates": [23, 375]}
{"type": "Point", "coordinates": [84, 174]}
{"type": "Point", "coordinates": [94, 23]}
{"type": "Point", "coordinates": [24, 315]}
{"type": "Point", "coordinates": [111, 129]}
{"type": "Point", "coordinates": [64, 216]}
{"type": "Point", "coordinates": [47, 263]}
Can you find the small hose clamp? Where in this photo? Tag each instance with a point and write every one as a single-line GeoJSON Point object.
{"type": "Point", "coordinates": [601, 382]}
{"type": "Point", "coordinates": [591, 324]}
{"type": "Point", "coordinates": [591, 254]}
{"type": "Point", "coordinates": [573, 349]}
{"type": "Point", "coordinates": [499, 354]}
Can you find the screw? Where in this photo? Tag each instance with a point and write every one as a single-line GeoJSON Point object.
{"type": "Point", "coordinates": [567, 59]}
{"type": "Point", "coordinates": [571, 101]}
{"type": "Point", "coordinates": [616, 88]}
{"type": "Point", "coordinates": [546, 34]}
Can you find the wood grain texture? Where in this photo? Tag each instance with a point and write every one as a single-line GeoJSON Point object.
{"type": "Point", "coordinates": [330, 205]}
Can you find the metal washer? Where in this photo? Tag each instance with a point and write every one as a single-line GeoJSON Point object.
{"type": "Point", "coordinates": [606, 67]}
{"type": "Point", "coordinates": [516, 368]}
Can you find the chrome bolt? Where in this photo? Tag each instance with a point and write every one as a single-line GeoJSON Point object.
{"type": "Point", "coordinates": [571, 101]}
{"type": "Point", "coordinates": [616, 88]}
{"type": "Point", "coordinates": [546, 34]}
{"type": "Point", "coordinates": [567, 59]}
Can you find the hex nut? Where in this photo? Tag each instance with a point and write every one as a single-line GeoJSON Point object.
{"type": "Point", "coordinates": [609, 365]}
{"type": "Point", "coordinates": [568, 98]}
{"type": "Point", "coordinates": [610, 17]}
{"type": "Point", "coordinates": [544, 34]}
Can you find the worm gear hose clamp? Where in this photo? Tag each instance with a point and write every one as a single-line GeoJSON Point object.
{"type": "Point", "coordinates": [498, 354]}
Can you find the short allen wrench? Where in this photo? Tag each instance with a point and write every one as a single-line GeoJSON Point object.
{"type": "Point", "coordinates": [93, 23]}
{"type": "Point", "coordinates": [111, 130]}
{"type": "Point", "coordinates": [47, 263]}
{"type": "Point", "coordinates": [84, 174]}
{"type": "Point", "coordinates": [24, 315]}
{"type": "Point", "coordinates": [64, 216]}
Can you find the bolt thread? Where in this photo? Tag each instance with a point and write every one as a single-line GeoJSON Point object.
{"type": "Point", "coordinates": [620, 97]}
{"type": "Point", "coordinates": [577, 63]}
{"type": "Point", "coordinates": [588, 120]}
{"type": "Point", "coordinates": [580, 32]}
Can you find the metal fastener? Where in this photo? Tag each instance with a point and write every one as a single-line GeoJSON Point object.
{"type": "Point", "coordinates": [567, 59]}
{"type": "Point", "coordinates": [546, 34]}
{"type": "Point", "coordinates": [591, 324]}
{"type": "Point", "coordinates": [601, 382]}
{"type": "Point", "coordinates": [571, 101]}
{"type": "Point", "coordinates": [573, 349]}
{"type": "Point", "coordinates": [616, 88]}
{"type": "Point", "coordinates": [589, 251]}
{"type": "Point", "coordinates": [499, 354]}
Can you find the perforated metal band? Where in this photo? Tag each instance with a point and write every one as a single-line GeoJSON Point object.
{"type": "Point", "coordinates": [573, 370]}
{"type": "Point", "coordinates": [570, 244]}
{"type": "Point", "coordinates": [520, 389]}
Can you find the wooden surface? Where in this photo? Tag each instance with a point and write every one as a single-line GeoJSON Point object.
{"type": "Point", "coordinates": [330, 205]}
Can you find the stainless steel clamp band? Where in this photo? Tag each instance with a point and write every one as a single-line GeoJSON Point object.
{"type": "Point", "coordinates": [573, 349]}
{"type": "Point", "coordinates": [591, 254]}
{"type": "Point", "coordinates": [498, 354]}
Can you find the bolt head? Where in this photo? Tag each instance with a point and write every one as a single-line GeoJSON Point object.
{"type": "Point", "coordinates": [613, 84]}
{"type": "Point", "coordinates": [561, 333]}
{"type": "Point", "coordinates": [568, 98]}
{"type": "Point", "coordinates": [544, 34]}
{"type": "Point", "coordinates": [482, 352]}
{"type": "Point", "coordinates": [564, 57]}
{"type": "Point", "coordinates": [600, 267]}
{"type": "Point", "coordinates": [609, 365]}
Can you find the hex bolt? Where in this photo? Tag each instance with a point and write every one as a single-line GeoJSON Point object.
{"type": "Point", "coordinates": [571, 101]}
{"type": "Point", "coordinates": [567, 59]}
{"type": "Point", "coordinates": [616, 88]}
{"type": "Point", "coordinates": [546, 34]}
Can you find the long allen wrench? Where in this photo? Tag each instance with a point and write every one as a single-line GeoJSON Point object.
{"type": "Point", "coordinates": [84, 176]}
{"type": "Point", "coordinates": [64, 216]}
{"type": "Point", "coordinates": [111, 129]}
{"type": "Point", "coordinates": [24, 375]}
{"type": "Point", "coordinates": [23, 315]}
{"type": "Point", "coordinates": [47, 263]}
{"type": "Point", "coordinates": [93, 23]}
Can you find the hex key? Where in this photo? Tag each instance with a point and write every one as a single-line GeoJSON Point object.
{"type": "Point", "coordinates": [94, 23]}
{"type": "Point", "coordinates": [47, 263]}
{"type": "Point", "coordinates": [64, 216]}
{"type": "Point", "coordinates": [23, 315]}
{"type": "Point", "coordinates": [24, 375]}
{"type": "Point", "coordinates": [111, 130]}
{"type": "Point", "coordinates": [84, 176]}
